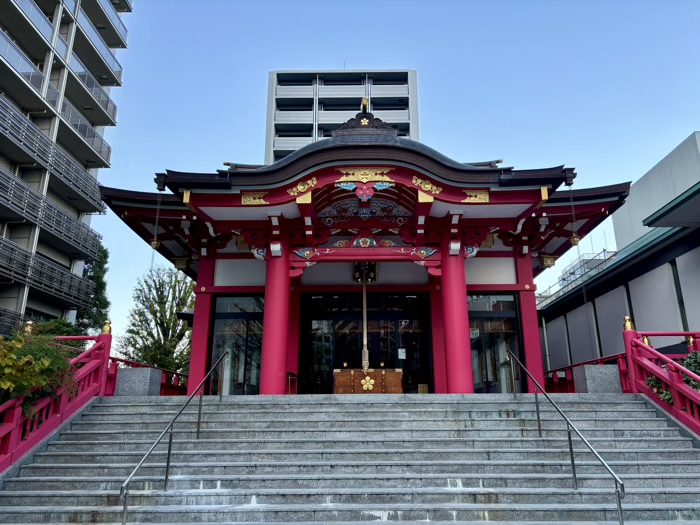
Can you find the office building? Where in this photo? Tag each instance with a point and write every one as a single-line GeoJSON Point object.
{"type": "Point", "coordinates": [57, 67]}
{"type": "Point", "coordinates": [306, 106]}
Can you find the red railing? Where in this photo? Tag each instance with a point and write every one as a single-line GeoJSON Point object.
{"type": "Point", "coordinates": [561, 380]}
{"type": "Point", "coordinates": [20, 432]}
{"type": "Point", "coordinates": [645, 363]}
{"type": "Point", "coordinates": [171, 383]}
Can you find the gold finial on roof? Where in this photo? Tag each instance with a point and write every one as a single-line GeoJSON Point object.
{"type": "Point", "coordinates": [364, 107]}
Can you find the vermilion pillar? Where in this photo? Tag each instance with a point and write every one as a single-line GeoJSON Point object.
{"type": "Point", "coordinates": [458, 351]}
{"type": "Point", "coordinates": [293, 335]}
{"type": "Point", "coordinates": [438, 331]}
{"type": "Point", "coordinates": [199, 358]}
{"type": "Point", "coordinates": [273, 369]}
{"type": "Point", "coordinates": [532, 347]}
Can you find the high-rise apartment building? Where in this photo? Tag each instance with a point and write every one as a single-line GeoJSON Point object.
{"type": "Point", "coordinates": [306, 106]}
{"type": "Point", "coordinates": [57, 66]}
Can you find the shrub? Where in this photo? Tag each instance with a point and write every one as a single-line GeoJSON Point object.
{"type": "Point", "coordinates": [20, 372]}
{"type": "Point", "coordinates": [33, 364]}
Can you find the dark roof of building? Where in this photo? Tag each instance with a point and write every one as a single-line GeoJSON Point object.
{"type": "Point", "coordinates": [373, 142]}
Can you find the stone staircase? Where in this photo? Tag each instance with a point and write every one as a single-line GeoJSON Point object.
{"type": "Point", "coordinates": [400, 458]}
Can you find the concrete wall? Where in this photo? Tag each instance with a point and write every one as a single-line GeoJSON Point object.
{"type": "Point", "coordinates": [239, 272]}
{"type": "Point", "coordinates": [557, 343]}
{"type": "Point", "coordinates": [673, 175]}
{"type": "Point", "coordinates": [611, 309]}
{"type": "Point", "coordinates": [655, 304]}
{"type": "Point", "coordinates": [583, 339]}
{"type": "Point", "coordinates": [490, 270]}
{"type": "Point", "coordinates": [689, 276]}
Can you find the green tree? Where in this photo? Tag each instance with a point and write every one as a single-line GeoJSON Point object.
{"type": "Point", "coordinates": [92, 318]}
{"type": "Point", "coordinates": [155, 335]}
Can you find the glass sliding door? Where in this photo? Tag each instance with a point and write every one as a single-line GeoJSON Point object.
{"type": "Point", "coordinates": [494, 330]}
{"type": "Point", "coordinates": [238, 324]}
{"type": "Point", "coordinates": [397, 337]}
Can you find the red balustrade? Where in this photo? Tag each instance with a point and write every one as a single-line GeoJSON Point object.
{"type": "Point", "coordinates": [171, 383]}
{"type": "Point", "coordinates": [20, 432]}
{"type": "Point", "coordinates": [679, 399]}
{"type": "Point", "coordinates": [561, 380]}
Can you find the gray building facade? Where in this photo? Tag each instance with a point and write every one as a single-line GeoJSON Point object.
{"type": "Point", "coordinates": [57, 67]}
{"type": "Point", "coordinates": [654, 277]}
{"type": "Point", "coordinates": [306, 106]}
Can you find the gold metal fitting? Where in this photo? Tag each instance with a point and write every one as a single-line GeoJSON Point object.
{"type": "Point", "coordinates": [691, 340]}
{"type": "Point", "coordinates": [107, 328]}
{"type": "Point", "coordinates": [575, 239]}
{"type": "Point", "coordinates": [647, 341]}
{"type": "Point", "coordinates": [155, 244]}
{"type": "Point", "coordinates": [628, 324]}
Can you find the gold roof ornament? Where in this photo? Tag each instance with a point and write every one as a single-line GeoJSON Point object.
{"type": "Point", "coordinates": [426, 186]}
{"type": "Point", "coordinates": [364, 105]}
{"type": "Point", "coordinates": [253, 198]}
{"type": "Point", "coordinates": [365, 175]}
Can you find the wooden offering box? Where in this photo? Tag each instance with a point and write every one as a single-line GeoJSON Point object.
{"type": "Point", "coordinates": [354, 381]}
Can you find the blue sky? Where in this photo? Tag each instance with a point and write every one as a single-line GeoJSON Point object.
{"type": "Point", "coordinates": [607, 87]}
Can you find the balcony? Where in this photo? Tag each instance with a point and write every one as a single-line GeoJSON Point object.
{"type": "Point", "coordinates": [295, 92]}
{"type": "Point", "coordinates": [10, 321]}
{"type": "Point", "coordinates": [37, 17]}
{"type": "Point", "coordinates": [28, 26]}
{"type": "Point", "coordinates": [24, 143]}
{"type": "Point", "coordinates": [19, 76]}
{"type": "Point", "coordinates": [294, 117]}
{"type": "Point", "coordinates": [61, 47]}
{"type": "Point", "coordinates": [392, 116]}
{"type": "Point", "coordinates": [389, 91]}
{"type": "Point", "coordinates": [336, 117]}
{"type": "Point", "coordinates": [87, 133]}
{"type": "Point", "coordinates": [19, 201]}
{"type": "Point", "coordinates": [106, 19]}
{"type": "Point", "coordinates": [44, 275]}
{"type": "Point", "coordinates": [95, 53]}
{"type": "Point", "coordinates": [291, 143]}
{"type": "Point", "coordinates": [342, 91]}
{"type": "Point", "coordinates": [87, 93]}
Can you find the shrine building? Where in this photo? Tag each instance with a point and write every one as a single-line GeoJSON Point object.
{"type": "Point", "coordinates": [365, 263]}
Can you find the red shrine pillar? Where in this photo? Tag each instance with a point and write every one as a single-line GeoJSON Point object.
{"type": "Point", "coordinates": [203, 303]}
{"type": "Point", "coordinates": [438, 330]}
{"type": "Point", "coordinates": [532, 347]}
{"type": "Point", "coordinates": [458, 351]}
{"type": "Point", "coordinates": [273, 369]}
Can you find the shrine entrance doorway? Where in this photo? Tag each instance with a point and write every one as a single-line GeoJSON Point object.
{"type": "Point", "coordinates": [331, 338]}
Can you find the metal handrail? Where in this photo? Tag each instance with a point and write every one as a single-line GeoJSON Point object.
{"type": "Point", "coordinates": [619, 484]}
{"type": "Point", "coordinates": [124, 491]}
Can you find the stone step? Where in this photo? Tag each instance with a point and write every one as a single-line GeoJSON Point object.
{"type": "Point", "coordinates": [143, 445]}
{"type": "Point", "coordinates": [481, 522]}
{"type": "Point", "coordinates": [220, 455]}
{"type": "Point", "coordinates": [218, 413]}
{"type": "Point", "coordinates": [335, 480]}
{"type": "Point", "coordinates": [353, 512]}
{"type": "Point", "coordinates": [376, 424]}
{"type": "Point", "coordinates": [367, 495]}
{"type": "Point", "coordinates": [357, 434]}
{"type": "Point", "coordinates": [358, 400]}
{"type": "Point", "coordinates": [505, 467]}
